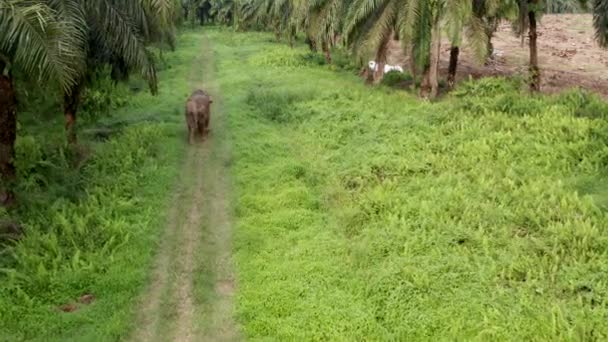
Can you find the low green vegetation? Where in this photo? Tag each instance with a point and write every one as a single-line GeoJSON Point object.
{"type": "Point", "coordinates": [365, 213]}
{"type": "Point", "coordinates": [93, 214]}
{"type": "Point", "coordinates": [360, 212]}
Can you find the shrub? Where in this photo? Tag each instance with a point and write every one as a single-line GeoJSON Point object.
{"type": "Point", "coordinates": [276, 104]}
{"type": "Point", "coordinates": [279, 56]}
{"type": "Point", "coordinates": [28, 155]}
{"type": "Point", "coordinates": [103, 96]}
{"type": "Point", "coordinates": [583, 103]}
{"type": "Point", "coordinates": [67, 242]}
{"type": "Point", "coordinates": [314, 58]}
{"type": "Point", "coordinates": [517, 104]}
{"type": "Point", "coordinates": [340, 60]}
{"type": "Point", "coordinates": [343, 61]}
{"type": "Point", "coordinates": [497, 95]}
{"type": "Point", "coordinates": [487, 87]}
{"type": "Point", "coordinates": [396, 78]}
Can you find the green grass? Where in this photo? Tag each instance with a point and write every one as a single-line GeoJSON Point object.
{"type": "Point", "coordinates": [363, 213]}
{"type": "Point", "coordinates": [93, 216]}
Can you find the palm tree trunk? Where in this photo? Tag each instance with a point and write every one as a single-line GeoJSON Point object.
{"type": "Point", "coordinates": [70, 107]}
{"type": "Point", "coordinates": [312, 44]}
{"type": "Point", "coordinates": [8, 135]}
{"type": "Point", "coordinates": [119, 71]}
{"type": "Point", "coordinates": [489, 47]}
{"type": "Point", "coordinates": [425, 84]}
{"type": "Point", "coordinates": [369, 75]}
{"type": "Point", "coordinates": [292, 37]}
{"type": "Point", "coordinates": [435, 54]}
{"type": "Point", "coordinates": [600, 21]}
{"type": "Point", "coordinates": [454, 54]}
{"type": "Point", "coordinates": [192, 15]}
{"type": "Point", "coordinates": [534, 69]}
{"type": "Point", "coordinates": [413, 69]}
{"type": "Point", "coordinates": [490, 30]}
{"type": "Point", "coordinates": [326, 52]}
{"type": "Point", "coordinates": [277, 34]}
{"type": "Point", "coordinates": [236, 15]}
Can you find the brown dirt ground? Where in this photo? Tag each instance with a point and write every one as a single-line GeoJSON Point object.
{"type": "Point", "coordinates": [568, 55]}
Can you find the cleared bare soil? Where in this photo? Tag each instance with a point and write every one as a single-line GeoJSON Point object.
{"type": "Point", "coordinates": [568, 55]}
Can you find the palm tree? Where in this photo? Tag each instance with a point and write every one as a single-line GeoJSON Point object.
{"type": "Point", "coordinates": [528, 15]}
{"type": "Point", "coordinates": [489, 13]}
{"type": "Point", "coordinates": [562, 6]}
{"type": "Point", "coordinates": [36, 41]}
{"type": "Point", "coordinates": [221, 11]}
{"type": "Point", "coordinates": [225, 11]}
{"type": "Point", "coordinates": [277, 15]}
{"type": "Point", "coordinates": [460, 14]}
{"type": "Point", "coordinates": [423, 26]}
{"type": "Point", "coordinates": [419, 23]}
{"type": "Point", "coordinates": [369, 27]}
{"type": "Point", "coordinates": [117, 33]}
{"type": "Point", "coordinates": [322, 20]}
{"type": "Point", "coordinates": [479, 22]}
{"type": "Point", "coordinates": [432, 76]}
{"type": "Point", "coordinates": [600, 21]}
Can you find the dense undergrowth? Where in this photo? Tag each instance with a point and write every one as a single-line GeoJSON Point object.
{"type": "Point", "coordinates": [364, 213]}
{"type": "Point", "coordinates": [92, 214]}
{"type": "Point", "coordinates": [361, 213]}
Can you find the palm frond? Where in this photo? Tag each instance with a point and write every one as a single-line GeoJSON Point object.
{"type": "Point", "coordinates": [477, 38]}
{"type": "Point", "coordinates": [600, 21]}
{"type": "Point", "coordinates": [112, 26]}
{"type": "Point", "coordinates": [36, 42]}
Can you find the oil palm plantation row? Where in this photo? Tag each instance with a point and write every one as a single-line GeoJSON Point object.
{"type": "Point", "coordinates": [61, 42]}
{"type": "Point", "coordinates": [367, 26]}
{"type": "Point", "coordinates": [219, 11]}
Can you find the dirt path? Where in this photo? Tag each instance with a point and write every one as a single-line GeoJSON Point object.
{"type": "Point", "coordinates": [190, 295]}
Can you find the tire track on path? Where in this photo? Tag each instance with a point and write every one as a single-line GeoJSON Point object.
{"type": "Point", "coordinates": [191, 291]}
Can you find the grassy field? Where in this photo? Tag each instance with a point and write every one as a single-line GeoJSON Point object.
{"type": "Point", "coordinates": [92, 226]}
{"type": "Point", "coordinates": [364, 213]}
{"type": "Point", "coordinates": [360, 213]}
